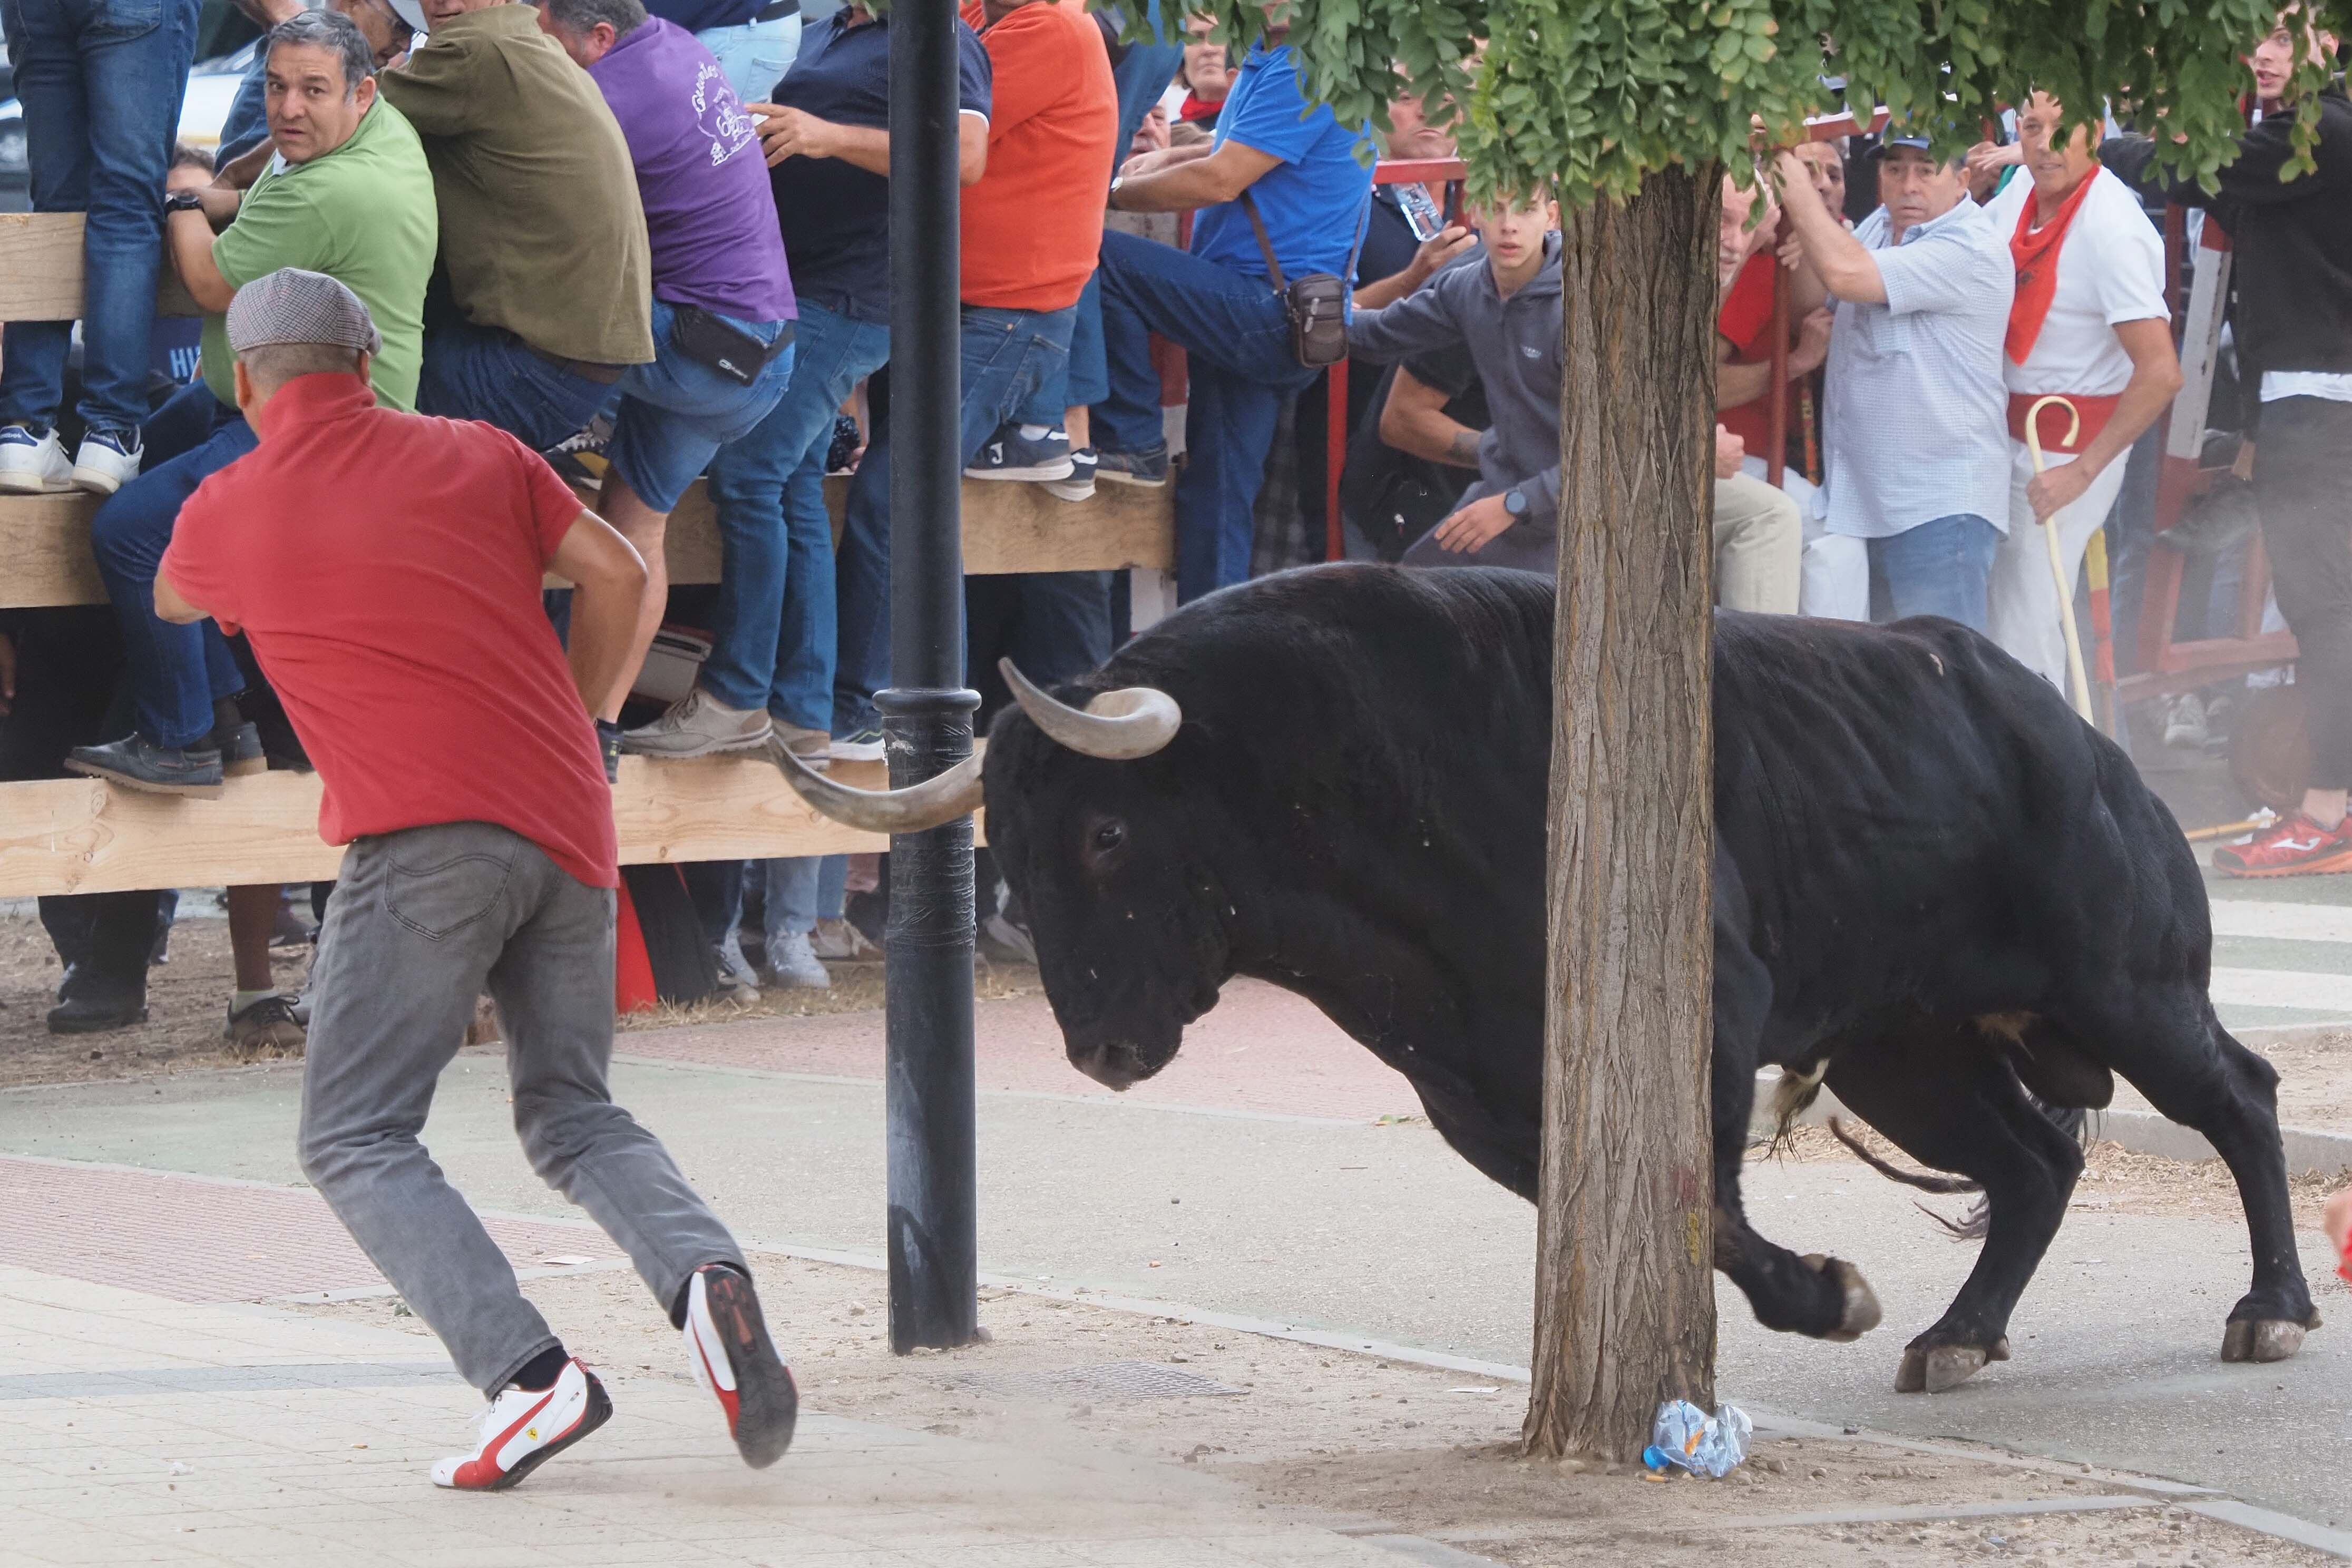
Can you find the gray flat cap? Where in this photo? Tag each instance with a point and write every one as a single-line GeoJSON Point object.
{"type": "Point", "coordinates": [291, 306]}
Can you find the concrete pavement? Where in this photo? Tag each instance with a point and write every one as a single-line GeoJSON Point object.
{"type": "Point", "coordinates": [137, 1428]}
{"type": "Point", "coordinates": [1325, 1221]}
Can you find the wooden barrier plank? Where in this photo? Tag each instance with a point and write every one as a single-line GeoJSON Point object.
{"type": "Point", "coordinates": [80, 835]}
{"type": "Point", "coordinates": [40, 271]}
{"type": "Point", "coordinates": [44, 539]}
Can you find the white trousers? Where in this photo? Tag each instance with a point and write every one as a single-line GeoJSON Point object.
{"type": "Point", "coordinates": [1835, 579]}
{"type": "Point", "coordinates": [2023, 615]}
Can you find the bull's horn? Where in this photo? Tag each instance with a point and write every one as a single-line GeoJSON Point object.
{"type": "Point", "coordinates": [1118, 726]}
{"type": "Point", "coordinates": [954, 793]}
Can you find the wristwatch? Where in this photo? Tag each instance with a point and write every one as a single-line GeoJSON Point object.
{"type": "Point", "coordinates": [1514, 502]}
{"type": "Point", "coordinates": [184, 201]}
{"type": "Point", "coordinates": [1116, 181]}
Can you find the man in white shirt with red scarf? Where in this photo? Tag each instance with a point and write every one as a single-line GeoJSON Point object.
{"type": "Point", "coordinates": [2089, 321]}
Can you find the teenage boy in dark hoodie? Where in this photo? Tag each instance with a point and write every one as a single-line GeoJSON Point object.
{"type": "Point", "coordinates": [2292, 240]}
{"type": "Point", "coordinates": [1507, 312]}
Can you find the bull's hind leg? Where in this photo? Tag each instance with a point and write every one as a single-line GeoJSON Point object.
{"type": "Point", "coordinates": [2175, 1051]}
{"type": "Point", "coordinates": [1949, 1102]}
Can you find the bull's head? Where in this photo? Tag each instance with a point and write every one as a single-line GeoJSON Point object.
{"type": "Point", "coordinates": [1124, 914]}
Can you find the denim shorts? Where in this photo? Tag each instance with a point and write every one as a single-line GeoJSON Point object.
{"type": "Point", "coordinates": [676, 412]}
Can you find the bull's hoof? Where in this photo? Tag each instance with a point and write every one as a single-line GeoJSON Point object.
{"type": "Point", "coordinates": [1859, 1314]}
{"type": "Point", "coordinates": [1934, 1368]}
{"type": "Point", "coordinates": [2265, 1339]}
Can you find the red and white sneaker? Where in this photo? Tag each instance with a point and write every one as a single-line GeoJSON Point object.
{"type": "Point", "coordinates": [525, 1428]}
{"type": "Point", "coordinates": [727, 1342]}
{"type": "Point", "coordinates": [2293, 846]}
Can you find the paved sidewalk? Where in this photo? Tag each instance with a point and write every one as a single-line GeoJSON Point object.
{"type": "Point", "coordinates": [137, 1428]}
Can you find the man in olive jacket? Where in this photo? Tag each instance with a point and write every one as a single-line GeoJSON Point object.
{"type": "Point", "coordinates": [541, 234]}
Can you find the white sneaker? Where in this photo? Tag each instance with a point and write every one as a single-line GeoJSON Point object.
{"type": "Point", "coordinates": [728, 1346]}
{"type": "Point", "coordinates": [524, 1427]}
{"type": "Point", "coordinates": [32, 464]}
{"type": "Point", "coordinates": [697, 724]}
{"type": "Point", "coordinates": [104, 465]}
{"type": "Point", "coordinates": [839, 942]}
{"type": "Point", "coordinates": [793, 963]}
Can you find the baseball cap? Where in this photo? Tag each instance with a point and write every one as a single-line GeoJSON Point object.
{"type": "Point", "coordinates": [291, 306]}
{"type": "Point", "coordinates": [1923, 143]}
{"type": "Point", "coordinates": [411, 12]}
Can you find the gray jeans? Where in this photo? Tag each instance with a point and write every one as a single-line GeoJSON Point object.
{"type": "Point", "coordinates": [422, 923]}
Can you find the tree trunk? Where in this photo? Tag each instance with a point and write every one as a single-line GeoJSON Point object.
{"type": "Point", "coordinates": [1624, 1287]}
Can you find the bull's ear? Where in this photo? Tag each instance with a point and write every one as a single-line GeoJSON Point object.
{"type": "Point", "coordinates": [954, 793]}
{"type": "Point", "coordinates": [1116, 726]}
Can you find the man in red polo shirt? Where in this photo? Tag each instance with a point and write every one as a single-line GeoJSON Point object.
{"type": "Point", "coordinates": [386, 568]}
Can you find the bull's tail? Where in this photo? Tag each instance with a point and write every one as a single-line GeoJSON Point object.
{"type": "Point", "coordinates": [1972, 1227]}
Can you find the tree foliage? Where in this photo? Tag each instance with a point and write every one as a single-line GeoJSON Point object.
{"type": "Point", "coordinates": [1593, 95]}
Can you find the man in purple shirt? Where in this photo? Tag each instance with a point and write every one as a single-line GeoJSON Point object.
{"type": "Point", "coordinates": [723, 307]}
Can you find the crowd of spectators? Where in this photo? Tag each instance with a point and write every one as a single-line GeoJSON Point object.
{"type": "Point", "coordinates": [651, 238]}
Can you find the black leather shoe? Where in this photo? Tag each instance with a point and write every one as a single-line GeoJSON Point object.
{"type": "Point", "coordinates": [96, 1015]}
{"type": "Point", "coordinates": [138, 763]}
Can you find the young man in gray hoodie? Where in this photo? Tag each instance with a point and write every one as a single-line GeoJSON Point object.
{"type": "Point", "coordinates": [1507, 312]}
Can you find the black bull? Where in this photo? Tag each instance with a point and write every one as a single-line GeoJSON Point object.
{"type": "Point", "coordinates": [1928, 875]}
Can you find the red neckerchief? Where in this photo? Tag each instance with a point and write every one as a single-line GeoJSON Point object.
{"type": "Point", "coordinates": [2035, 252]}
{"type": "Point", "coordinates": [1197, 110]}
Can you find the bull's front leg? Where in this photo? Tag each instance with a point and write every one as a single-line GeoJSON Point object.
{"type": "Point", "coordinates": [1823, 1297]}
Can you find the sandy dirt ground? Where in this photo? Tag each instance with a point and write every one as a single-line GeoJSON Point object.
{"type": "Point", "coordinates": [187, 1003]}
{"type": "Point", "coordinates": [1366, 1444]}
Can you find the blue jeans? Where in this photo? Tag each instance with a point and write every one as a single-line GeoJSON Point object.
{"type": "Point", "coordinates": [676, 412]}
{"type": "Point", "coordinates": [177, 672]}
{"type": "Point", "coordinates": [249, 113]}
{"type": "Point", "coordinates": [791, 897]}
{"type": "Point", "coordinates": [1007, 356]}
{"type": "Point", "coordinates": [756, 55]}
{"type": "Point", "coordinates": [1237, 336]}
{"type": "Point", "coordinates": [772, 628]}
{"type": "Point", "coordinates": [488, 374]}
{"type": "Point", "coordinates": [1940, 567]}
{"type": "Point", "coordinates": [1141, 79]}
{"type": "Point", "coordinates": [100, 82]}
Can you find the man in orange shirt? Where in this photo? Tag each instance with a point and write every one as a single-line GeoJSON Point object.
{"type": "Point", "coordinates": [1031, 230]}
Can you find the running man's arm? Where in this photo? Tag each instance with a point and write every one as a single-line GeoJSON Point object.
{"type": "Point", "coordinates": [608, 584]}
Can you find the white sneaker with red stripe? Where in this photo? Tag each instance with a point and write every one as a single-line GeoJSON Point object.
{"type": "Point", "coordinates": [727, 1345]}
{"type": "Point", "coordinates": [525, 1428]}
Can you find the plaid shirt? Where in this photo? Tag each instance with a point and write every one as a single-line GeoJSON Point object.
{"type": "Point", "coordinates": [1916, 417]}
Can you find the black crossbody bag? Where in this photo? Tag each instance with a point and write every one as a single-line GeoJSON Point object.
{"type": "Point", "coordinates": [711, 340]}
{"type": "Point", "coordinates": [1316, 304]}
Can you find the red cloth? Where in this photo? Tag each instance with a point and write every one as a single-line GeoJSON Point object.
{"type": "Point", "coordinates": [1745, 322]}
{"type": "Point", "coordinates": [2096, 409]}
{"type": "Point", "coordinates": [2035, 252]}
{"type": "Point", "coordinates": [386, 567]}
{"type": "Point", "coordinates": [1031, 227]}
{"type": "Point", "coordinates": [1198, 110]}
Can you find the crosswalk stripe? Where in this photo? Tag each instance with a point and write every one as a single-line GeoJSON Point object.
{"type": "Point", "coordinates": [2294, 921]}
{"type": "Point", "coordinates": [2282, 988]}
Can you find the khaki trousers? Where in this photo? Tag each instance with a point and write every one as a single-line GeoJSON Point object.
{"type": "Point", "coordinates": [1760, 547]}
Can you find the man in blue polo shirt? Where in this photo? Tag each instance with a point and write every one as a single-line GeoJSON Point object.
{"type": "Point", "coordinates": [1301, 171]}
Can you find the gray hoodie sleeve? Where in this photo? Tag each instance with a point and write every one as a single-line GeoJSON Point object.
{"type": "Point", "coordinates": [1542, 491]}
{"type": "Point", "coordinates": [1422, 321]}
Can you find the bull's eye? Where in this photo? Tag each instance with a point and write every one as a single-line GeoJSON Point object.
{"type": "Point", "coordinates": [1108, 837]}
{"type": "Point", "coordinates": [1106, 844]}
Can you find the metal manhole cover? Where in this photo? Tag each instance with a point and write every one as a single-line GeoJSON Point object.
{"type": "Point", "coordinates": [1110, 1380]}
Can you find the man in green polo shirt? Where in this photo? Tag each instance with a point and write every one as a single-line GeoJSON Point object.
{"type": "Point", "coordinates": [348, 194]}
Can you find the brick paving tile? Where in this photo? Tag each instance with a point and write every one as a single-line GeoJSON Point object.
{"type": "Point", "coordinates": [192, 1239]}
{"type": "Point", "coordinates": [1261, 1050]}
